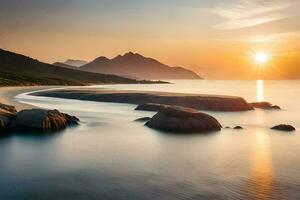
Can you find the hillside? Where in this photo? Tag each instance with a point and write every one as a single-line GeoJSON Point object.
{"type": "Point", "coordinates": [16, 69]}
{"type": "Point", "coordinates": [136, 65]}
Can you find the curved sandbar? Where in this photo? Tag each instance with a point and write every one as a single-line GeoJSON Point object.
{"type": "Point", "coordinates": [200, 102]}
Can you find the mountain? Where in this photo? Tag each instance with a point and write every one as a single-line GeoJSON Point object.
{"type": "Point", "coordinates": [75, 63]}
{"type": "Point", "coordinates": [16, 69]}
{"type": "Point", "coordinates": [71, 64]}
{"type": "Point", "coordinates": [136, 65]}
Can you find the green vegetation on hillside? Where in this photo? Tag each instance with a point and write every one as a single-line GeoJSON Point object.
{"type": "Point", "coordinates": [17, 70]}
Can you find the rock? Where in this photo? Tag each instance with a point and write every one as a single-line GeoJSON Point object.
{"type": "Point", "coordinates": [71, 120]}
{"type": "Point", "coordinates": [4, 123]}
{"type": "Point", "coordinates": [180, 119]}
{"type": "Point", "coordinates": [264, 105]}
{"type": "Point", "coordinates": [150, 106]}
{"type": "Point", "coordinates": [143, 119]}
{"type": "Point", "coordinates": [284, 127]}
{"type": "Point", "coordinates": [44, 120]}
{"type": "Point", "coordinates": [275, 107]}
{"type": "Point", "coordinates": [227, 127]}
{"type": "Point", "coordinates": [238, 127]}
{"type": "Point", "coordinates": [7, 115]}
{"type": "Point", "coordinates": [8, 108]}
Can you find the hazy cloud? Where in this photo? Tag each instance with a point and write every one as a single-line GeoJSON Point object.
{"type": "Point", "coordinates": [247, 13]}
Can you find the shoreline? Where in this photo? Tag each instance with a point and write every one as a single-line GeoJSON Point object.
{"type": "Point", "coordinates": [7, 95]}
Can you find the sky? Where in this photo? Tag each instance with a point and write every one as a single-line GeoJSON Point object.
{"type": "Point", "coordinates": [216, 38]}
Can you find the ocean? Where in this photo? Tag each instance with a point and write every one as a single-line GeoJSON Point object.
{"type": "Point", "coordinates": [111, 156]}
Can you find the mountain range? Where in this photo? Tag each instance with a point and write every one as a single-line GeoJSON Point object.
{"type": "Point", "coordinates": [17, 69]}
{"type": "Point", "coordinates": [71, 64]}
{"type": "Point", "coordinates": [137, 66]}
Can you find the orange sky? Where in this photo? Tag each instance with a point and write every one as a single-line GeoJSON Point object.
{"type": "Point", "coordinates": [214, 38]}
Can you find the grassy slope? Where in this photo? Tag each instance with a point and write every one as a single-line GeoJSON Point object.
{"type": "Point", "coordinates": [16, 69]}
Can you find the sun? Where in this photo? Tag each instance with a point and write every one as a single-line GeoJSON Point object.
{"type": "Point", "coordinates": [261, 58]}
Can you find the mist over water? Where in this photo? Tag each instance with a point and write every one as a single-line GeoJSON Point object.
{"type": "Point", "coordinates": [109, 156]}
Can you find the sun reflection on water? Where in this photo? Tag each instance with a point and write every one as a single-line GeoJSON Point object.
{"type": "Point", "coordinates": [260, 92]}
{"type": "Point", "coordinates": [262, 182]}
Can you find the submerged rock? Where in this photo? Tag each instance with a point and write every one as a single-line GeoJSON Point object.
{"type": "Point", "coordinates": [264, 105]}
{"type": "Point", "coordinates": [284, 127]}
{"type": "Point", "coordinates": [44, 120]}
{"type": "Point", "coordinates": [181, 119]}
{"type": "Point", "coordinates": [238, 127]}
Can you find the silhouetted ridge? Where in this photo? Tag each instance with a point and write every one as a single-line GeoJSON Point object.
{"type": "Point", "coordinates": [136, 65]}
{"type": "Point", "coordinates": [101, 59]}
{"type": "Point", "coordinates": [17, 69]}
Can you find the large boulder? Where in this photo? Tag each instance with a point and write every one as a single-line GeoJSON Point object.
{"type": "Point", "coordinates": [284, 127]}
{"type": "Point", "coordinates": [264, 105]}
{"type": "Point", "coordinates": [44, 120]}
{"type": "Point", "coordinates": [181, 119]}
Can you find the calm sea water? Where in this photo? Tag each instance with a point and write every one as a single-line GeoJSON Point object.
{"type": "Point", "coordinates": [109, 156]}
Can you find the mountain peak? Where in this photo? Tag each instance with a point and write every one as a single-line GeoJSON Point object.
{"type": "Point", "coordinates": [132, 54]}
{"type": "Point", "coordinates": [129, 56]}
{"type": "Point", "coordinates": [101, 58]}
{"type": "Point", "coordinates": [133, 64]}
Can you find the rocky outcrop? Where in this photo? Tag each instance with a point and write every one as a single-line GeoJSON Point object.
{"type": "Point", "coordinates": [44, 120]}
{"type": "Point", "coordinates": [284, 127]}
{"type": "Point", "coordinates": [199, 102]}
{"type": "Point", "coordinates": [264, 105]}
{"type": "Point", "coordinates": [40, 120]}
{"type": "Point", "coordinates": [180, 119]}
{"type": "Point", "coordinates": [7, 115]}
{"type": "Point", "coordinates": [4, 122]}
{"type": "Point", "coordinates": [7, 108]}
